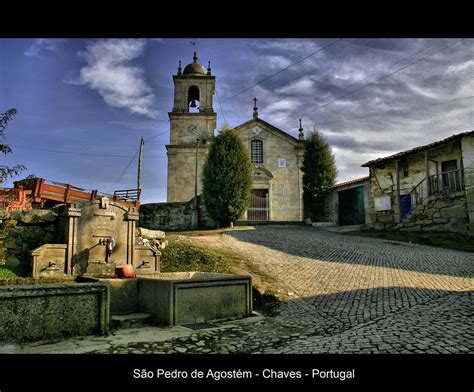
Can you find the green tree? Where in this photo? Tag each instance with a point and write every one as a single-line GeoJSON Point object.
{"type": "Point", "coordinates": [227, 178]}
{"type": "Point", "coordinates": [6, 171]}
{"type": "Point", "coordinates": [319, 174]}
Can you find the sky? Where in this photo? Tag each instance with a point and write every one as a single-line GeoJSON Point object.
{"type": "Point", "coordinates": [83, 104]}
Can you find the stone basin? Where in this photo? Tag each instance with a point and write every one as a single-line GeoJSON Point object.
{"type": "Point", "coordinates": [194, 297]}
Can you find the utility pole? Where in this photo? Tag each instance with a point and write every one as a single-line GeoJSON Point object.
{"type": "Point", "coordinates": [140, 163]}
{"type": "Point", "coordinates": [196, 205]}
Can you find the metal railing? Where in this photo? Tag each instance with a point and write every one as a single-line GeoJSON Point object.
{"type": "Point", "coordinates": [258, 209]}
{"type": "Point", "coordinates": [441, 184]}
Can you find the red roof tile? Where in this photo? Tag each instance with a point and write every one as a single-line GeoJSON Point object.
{"type": "Point", "coordinates": [356, 181]}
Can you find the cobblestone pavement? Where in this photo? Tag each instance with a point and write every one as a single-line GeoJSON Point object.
{"type": "Point", "coordinates": [344, 294]}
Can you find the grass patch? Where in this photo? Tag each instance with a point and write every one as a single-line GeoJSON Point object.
{"type": "Point", "coordinates": [440, 240]}
{"type": "Point", "coordinates": [7, 273]}
{"type": "Point", "coordinates": [6, 280]}
{"type": "Point", "coordinates": [181, 257]}
{"type": "Point", "coordinates": [267, 303]}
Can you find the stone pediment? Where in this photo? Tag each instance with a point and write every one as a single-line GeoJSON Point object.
{"type": "Point", "coordinates": [258, 128]}
{"type": "Point", "coordinates": [260, 173]}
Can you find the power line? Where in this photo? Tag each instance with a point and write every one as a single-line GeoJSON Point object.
{"type": "Point", "coordinates": [71, 152]}
{"type": "Point", "coordinates": [385, 68]}
{"type": "Point", "coordinates": [383, 77]}
{"type": "Point", "coordinates": [281, 70]}
{"type": "Point", "coordinates": [119, 178]}
{"type": "Point", "coordinates": [220, 106]}
{"type": "Point", "coordinates": [154, 137]}
{"type": "Point", "coordinates": [80, 153]}
{"type": "Point", "coordinates": [395, 111]}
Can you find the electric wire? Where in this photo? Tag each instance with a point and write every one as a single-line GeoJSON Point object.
{"type": "Point", "coordinates": [382, 77]}
{"type": "Point", "coordinates": [282, 70]}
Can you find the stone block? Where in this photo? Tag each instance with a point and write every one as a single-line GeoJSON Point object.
{"type": "Point", "coordinates": [11, 243]}
{"type": "Point", "coordinates": [455, 211]}
{"type": "Point", "coordinates": [424, 222]}
{"type": "Point", "coordinates": [385, 218]}
{"type": "Point", "coordinates": [456, 226]}
{"type": "Point", "coordinates": [414, 228]}
{"type": "Point", "coordinates": [123, 295]}
{"type": "Point", "coordinates": [440, 220]}
{"type": "Point", "coordinates": [378, 226]}
{"type": "Point", "coordinates": [434, 228]}
{"type": "Point", "coordinates": [151, 234]}
{"type": "Point", "coordinates": [9, 223]}
{"type": "Point", "coordinates": [52, 311]}
{"type": "Point", "coordinates": [12, 261]}
{"type": "Point", "coordinates": [195, 297]}
{"type": "Point", "coordinates": [50, 260]}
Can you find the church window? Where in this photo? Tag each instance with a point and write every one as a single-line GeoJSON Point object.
{"type": "Point", "coordinates": [256, 151]}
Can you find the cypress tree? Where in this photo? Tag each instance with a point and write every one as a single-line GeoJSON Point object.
{"type": "Point", "coordinates": [227, 178]}
{"type": "Point", "coordinates": [319, 174]}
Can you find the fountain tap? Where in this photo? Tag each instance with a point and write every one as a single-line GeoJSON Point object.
{"type": "Point", "coordinates": [109, 244]}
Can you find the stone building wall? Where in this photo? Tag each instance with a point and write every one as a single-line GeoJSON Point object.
{"type": "Point", "coordinates": [173, 216]}
{"type": "Point", "coordinates": [329, 212]}
{"type": "Point", "coordinates": [182, 169]}
{"type": "Point", "coordinates": [467, 144]}
{"type": "Point", "coordinates": [285, 189]}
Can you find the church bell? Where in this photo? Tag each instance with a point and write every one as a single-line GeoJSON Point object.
{"type": "Point", "coordinates": [193, 103]}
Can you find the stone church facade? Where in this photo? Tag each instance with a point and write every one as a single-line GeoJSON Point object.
{"type": "Point", "coordinates": [277, 156]}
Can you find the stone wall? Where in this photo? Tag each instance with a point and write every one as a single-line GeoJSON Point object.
{"type": "Point", "coordinates": [23, 231]}
{"type": "Point", "coordinates": [173, 216]}
{"type": "Point", "coordinates": [52, 311]}
{"type": "Point", "coordinates": [438, 215]}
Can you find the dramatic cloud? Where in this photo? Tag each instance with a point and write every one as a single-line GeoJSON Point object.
{"type": "Point", "coordinates": [109, 71]}
{"type": "Point", "coordinates": [42, 44]}
{"type": "Point", "coordinates": [346, 91]}
{"type": "Point", "coordinates": [350, 81]}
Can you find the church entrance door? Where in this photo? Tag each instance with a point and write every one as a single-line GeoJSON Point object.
{"type": "Point", "coordinates": [258, 209]}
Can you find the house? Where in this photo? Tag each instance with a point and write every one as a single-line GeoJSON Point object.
{"type": "Point", "coordinates": [347, 203]}
{"type": "Point", "coordinates": [428, 188]}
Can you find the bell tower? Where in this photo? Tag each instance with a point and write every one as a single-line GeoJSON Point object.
{"type": "Point", "coordinates": [192, 125]}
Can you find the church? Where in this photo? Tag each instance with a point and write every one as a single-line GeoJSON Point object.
{"type": "Point", "coordinates": [277, 193]}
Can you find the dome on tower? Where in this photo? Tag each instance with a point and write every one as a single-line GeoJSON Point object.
{"type": "Point", "coordinates": [194, 69]}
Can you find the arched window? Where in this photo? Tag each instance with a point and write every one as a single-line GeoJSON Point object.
{"type": "Point", "coordinates": [256, 151]}
{"type": "Point", "coordinates": [193, 99]}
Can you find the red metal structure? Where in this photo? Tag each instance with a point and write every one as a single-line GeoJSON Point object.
{"type": "Point", "coordinates": [41, 191]}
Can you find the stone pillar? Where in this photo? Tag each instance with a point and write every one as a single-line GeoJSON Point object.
{"type": "Point", "coordinates": [131, 217]}
{"type": "Point", "coordinates": [72, 214]}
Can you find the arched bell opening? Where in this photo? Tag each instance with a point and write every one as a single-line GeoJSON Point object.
{"type": "Point", "coordinates": [193, 99]}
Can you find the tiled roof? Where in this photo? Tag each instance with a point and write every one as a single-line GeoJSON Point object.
{"type": "Point", "coordinates": [356, 181]}
{"type": "Point", "coordinates": [418, 149]}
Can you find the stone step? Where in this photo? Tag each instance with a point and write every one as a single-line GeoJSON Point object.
{"type": "Point", "coordinates": [132, 320]}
